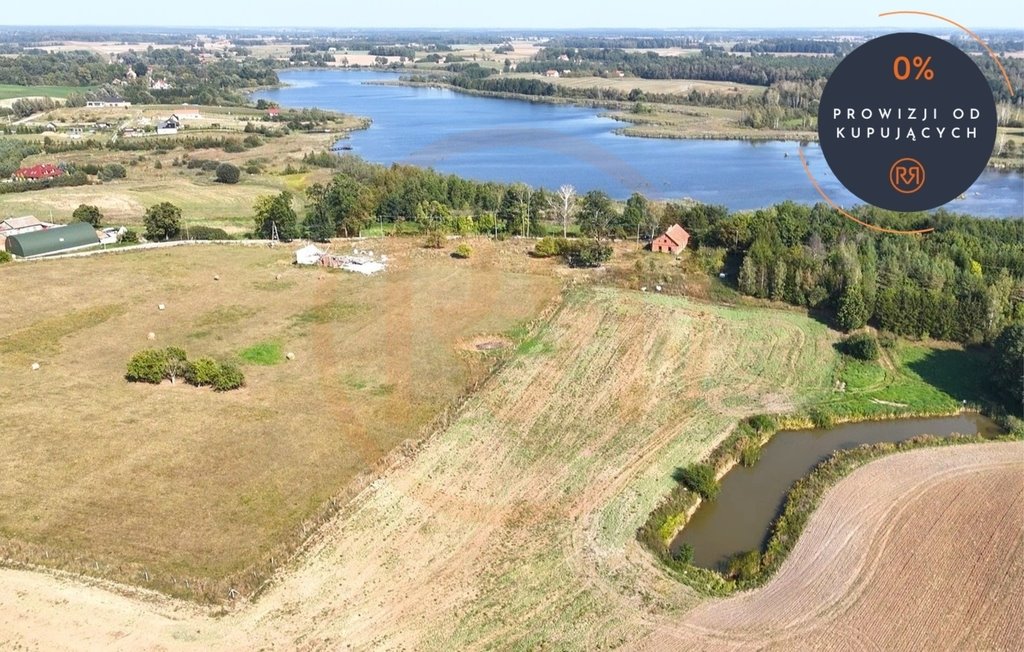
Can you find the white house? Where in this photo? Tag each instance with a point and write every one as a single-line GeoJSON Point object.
{"type": "Point", "coordinates": [168, 127]}
{"type": "Point", "coordinates": [308, 255]}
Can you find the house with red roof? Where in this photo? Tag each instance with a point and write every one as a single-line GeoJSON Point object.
{"type": "Point", "coordinates": [672, 241]}
{"type": "Point", "coordinates": [37, 172]}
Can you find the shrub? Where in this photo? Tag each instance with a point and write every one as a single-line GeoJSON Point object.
{"type": "Point", "coordinates": [822, 418]}
{"type": "Point", "coordinates": [5, 257]}
{"type": "Point", "coordinates": [112, 171]}
{"type": "Point", "coordinates": [201, 232]}
{"type": "Point", "coordinates": [547, 247]}
{"type": "Point", "coordinates": [91, 169]}
{"type": "Point", "coordinates": [744, 566]}
{"type": "Point", "coordinates": [230, 377]}
{"type": "Point", "coordinates": [434, 240]}
{"type": "Point", "coordinates": [202, 372]}
{"type": "Point", "coordinates": [762, 423]}
{"type": "Point", "coordinates": [683, 554]}
{"type": "Point", "coordinates": [587, 253]}
{"type": "Point", "coordinates": [129, 236]}
{"type": "Point", "coordinates": [227, 173]}
{"type": "Point", "coordinates": [750, 453]}
{"type": "Point", "coordinates": [148, 366]}
{"type": "Point", "coordinates": [233, 146]}
{"type": "Point", "coordinates": [252, 141]}
{"type": "Point", "coordinates": [863, 346]}
{"type": "Point", "coordinates": [698, 478]}
{"type": "Point", "coordinates": [462, 251]}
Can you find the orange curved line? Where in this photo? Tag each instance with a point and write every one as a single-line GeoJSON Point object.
{"type": "Point", "coordinates": [839, 209]}
{"type": "Point", "coordinates": [992, 54]}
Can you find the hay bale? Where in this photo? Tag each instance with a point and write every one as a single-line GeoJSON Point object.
{"type": "Point", "coordinates": [161, 307]}
{"type": "Point", "coordinates": [35, 366]}
{"type": "Point", "coordinates": [290, 355]}
{"type": "Point", "coordinates": [151, 336]}
{"type": "Point", "coordinates": [216, 277]}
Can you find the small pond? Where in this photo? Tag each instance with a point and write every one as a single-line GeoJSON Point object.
{"type": "Point", "coordinates": [750, 499]}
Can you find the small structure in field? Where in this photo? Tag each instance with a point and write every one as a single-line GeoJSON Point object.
{"type": "Point", "coordinates": [672, 241]}
{"type": "Point", "coordinates": [308, 255]}
{"type": "Point", "coordinates": [58, 240]}
{"type": "Point", "coordinates": [168, 127]}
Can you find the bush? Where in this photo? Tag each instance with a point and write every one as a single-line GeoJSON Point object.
{"type": "Point", "coordinates": [588, 253]}
{"type": "Point", "coordinates": [547, 247]}
{"type": "Point", "coordinates": [129, 236]}
{"type": "Point", "coordinates": [822, 418]}
{"type": "Point", "coordinates": [230, 377]}
{"type": "Point", "coordinates": [112, 171]}
{"type": "Point", "coordinates": [90, 169]}
{"type": "Point", "coordinates": [750, 453]}
{"type": "Point", "coordinates": [227, 173]}
{"type": "Point", "coordinates": [762, 423]}
{"type": "Point", "coordinates": [5, 257]}
{"type": "Point", "coordinates": [233, 146]}
{"type": "Point", "coordinates": [698, 478]}
{"type": "Point", "coordinates": [744, 566]}
{"type": "Point", "coordinates": [683, 554]}
{"type": "Point", "coordinates": [434, 240]}
{"type": "Point", "coordinates": [462, 251]}
{"type": "Point", "coordinates": [201, 232]}
{"type": "Point", "coordinates": [202, 372]}
{"type": "Point", "coordinates": [148, 366]}
{"type": "Point", "coordinates": [863, 346]}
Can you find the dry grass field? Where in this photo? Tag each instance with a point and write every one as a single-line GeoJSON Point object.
{"type": "Point", "coordinates": [174, 482]}
{"type": "Point", "coordinates": [513, 527]}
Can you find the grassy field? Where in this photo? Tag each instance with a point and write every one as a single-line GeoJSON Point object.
{"type": "Point", "coordinates": [153, 177]}
{"type": "Point", "coordinates": [12, 91]}
{"type": "Point", "coordinates": [172, 482]}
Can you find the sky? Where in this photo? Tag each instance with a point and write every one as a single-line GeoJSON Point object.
{"type": "Point", "coordinates": [564, 14]}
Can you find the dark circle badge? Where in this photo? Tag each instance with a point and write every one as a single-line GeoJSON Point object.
{"type": "Point", "coordinates": [907, 122]}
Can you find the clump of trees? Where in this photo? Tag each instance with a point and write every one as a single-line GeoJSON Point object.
{"type": "Point", "coordinates": [275, 211]}
{"type": "Point", "coordinates": [576, 252]}
{"type": "Point", "coordinates": [88, 214]}
{"type": "Point", "coordinates": [157, 365]}
{"type": "Point", "coordinates": [163, 221]}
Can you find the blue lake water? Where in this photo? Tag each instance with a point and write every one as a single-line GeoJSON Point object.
{"type": "Point", "coordinates": [550, 145]}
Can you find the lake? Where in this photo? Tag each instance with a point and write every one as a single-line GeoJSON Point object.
{"type": "Point", "coordinates": [549, 145]}
{"type": "Point", "coordinates": [750, 498]}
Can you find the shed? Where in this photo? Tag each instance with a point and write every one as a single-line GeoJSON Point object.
{"type": "Point", "coordinates": [308, 255]}
{"type": "Point", "coordinates": [52, 241]}
{"type": "Point", "coordinates": [672, 241]}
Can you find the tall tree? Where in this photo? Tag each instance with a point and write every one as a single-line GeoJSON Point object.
{"type": "Point", "coordinates": [596, 214]}
{"type": "Point", "coordinates": [163, 221]}
{"type": "Point", "coordinates": [319, 224]}
{"type": "Point", "coordinates": [88, 214]}
{"type": "Point", "coordinates": [566, 206]}
{"type": "Point", "coordinates": [276, 210]}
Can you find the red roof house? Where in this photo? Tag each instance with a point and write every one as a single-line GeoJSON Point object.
{"type": "Point", "coordinates": [273, 112]}
{"type": "Point", "coordinates": [37, 172]}
{"type": "Point", "coordinates": [672, 241]}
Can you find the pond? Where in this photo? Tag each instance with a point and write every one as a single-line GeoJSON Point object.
{"type": "Point", "coordinates": [750, 499]}
{"type": "Point", "coordinates": [549, 145]}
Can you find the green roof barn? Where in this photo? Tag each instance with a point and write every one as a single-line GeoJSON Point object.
{"type": "Point", "coordinates": [52, 241]}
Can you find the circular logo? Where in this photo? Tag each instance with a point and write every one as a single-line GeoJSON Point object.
{"type": "Point", "coordinates": [907, 122]}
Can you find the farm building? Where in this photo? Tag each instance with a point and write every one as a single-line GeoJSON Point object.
{"type": "Point", "coordinates": [168, 127]}
{"type": "Point", "coordinates": [19, 225]}
{"type": "Point", "coordinates": [672, 241]}
{"type": "Point", "coordinates": [57, 240]}
{"type": "Point", "coordinates": [110, 103]}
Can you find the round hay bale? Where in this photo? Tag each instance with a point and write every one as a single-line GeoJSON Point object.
{"type": "Point", "coordinates": [35, 366]}
{"type": "Point", "coordinates": [290, 355]}
{"type": "Point", "coordinates": [278, 277]}
{"type": "Point", "coordinates": [216, 277]}
{"type": "Point", "coordinates": [151, 336]}
{"type": "Point", "coordinates": [161, 307]}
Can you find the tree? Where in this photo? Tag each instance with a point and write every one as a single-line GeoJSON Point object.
{"type": "Point", "coordinates": [1009, 367]}
{"type": "Point", "coordinates": [319, 223]}
{"type": "Point", "coordinates": [515, 208]}
{"type": "Point", "coordinates": [276, 210]}
{"type": "Point", "coordinates": [852, 313]}
{"type": "Point", "coordinates": [637, 214]}
{"type": "Point", "coordinates": [227, 173]}
{"type": "Point", "coordinates": [566, 206]}
{"type": "Point", "coordinates": [596, 214]}
{"type": "Point", "coordinates": [163, 221]}
{"type": "Point", "coordinates": [88, 214]}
